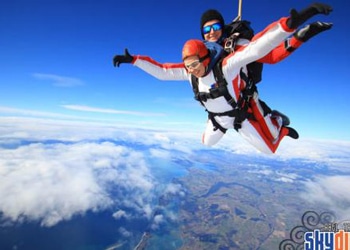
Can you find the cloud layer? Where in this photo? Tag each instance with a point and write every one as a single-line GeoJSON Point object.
{"type": "Point", "coordinates": [109, 111]}
{"type": "Point", "coordinates": [332, 192]}
{"type": "Point", "coordinates": [55, 182]}
{"type": "Point", "coordinates": [52, 170]}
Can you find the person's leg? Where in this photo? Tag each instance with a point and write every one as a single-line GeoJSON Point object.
{"type": "Point", "coordinates": [252, 132]}
{"type": "Point", "coordinates": [212, 135]}
{"type": "Point", "coordinates": [269, 125]}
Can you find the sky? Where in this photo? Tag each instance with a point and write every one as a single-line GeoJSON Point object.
{"type": "Point", "coordinates": [62, 104]}
{"type": "Point", "coordinates": [56, 61]}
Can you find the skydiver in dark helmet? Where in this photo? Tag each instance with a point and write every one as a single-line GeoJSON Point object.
{"type": "Point", "coordinates": [237, 34]}
{"type": "Point", "coordinates": [198, 62]}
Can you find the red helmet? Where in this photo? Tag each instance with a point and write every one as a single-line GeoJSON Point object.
{"type": "Point", "coordinates": [196, 48]}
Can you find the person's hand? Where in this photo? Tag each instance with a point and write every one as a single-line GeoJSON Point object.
{"type": "Point", "coordinates": [311, 30]}
{"type": "Point", "coordinates": [298, 18]}
{"type": "Point", "coordinates": [126, 58]}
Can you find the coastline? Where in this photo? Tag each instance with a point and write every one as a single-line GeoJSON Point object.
{"type": "Point", "coordinates": [143, 242]}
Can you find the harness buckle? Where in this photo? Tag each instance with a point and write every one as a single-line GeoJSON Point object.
{"type": "Point", "coordinates": [237, 125]}
{"type": "Point", "coordinates": [232, 102]}
{"type": "Point", "coordinates": [230, 42]}
{"type": "Point", "coordinates": [202, 96]}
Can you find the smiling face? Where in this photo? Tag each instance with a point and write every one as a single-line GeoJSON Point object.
{"type": "Point", "coordinates": [194, 66]}
{"type": "Point", "coordinates": [213, 35]}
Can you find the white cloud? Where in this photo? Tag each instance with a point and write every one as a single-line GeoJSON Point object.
{"type": "Point", "coordinates": [17, 115]}
{"type": "Point", "coordinates": [331, 191]}
{"type": "Point", "coordinates": [160, 153]}
{"type": "Point", "coordinates": [334, 153]}
{"type": "Point", "coordinates": [109, 111]}
{"type": "Point", "coordinates": [285, 179]}
{"type": "Point", "coordinates": [51, 183]}
{"type": "Point", "coordinates": [33, 113]}
{"type": "Point", "coordinates": [262, 171]}
{"type": "Point", "coordinates": [173, 188]}
{"type": "Point", "coordinates": [172, 216]}
{"type": "Point", "coordinates": [59, 81]}
{"type": "Point", "coordinates": [125, 233]}
{"type": "Point", "coordinates": [120, 214]}
{"type": "Point", "coordinates": [157, 220]}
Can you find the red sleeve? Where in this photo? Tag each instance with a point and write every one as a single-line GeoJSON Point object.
{"type": "Point", "coordinates": [282, 21]}
{"type": "Point", "coordinates": [282, 51]}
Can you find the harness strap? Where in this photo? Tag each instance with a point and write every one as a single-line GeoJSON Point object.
{"type": "Point", "coordinates": [238, 114]}
{"type": "Point", "coordinates": [222, 89]}
{"type": "Point", "coordinates": [239, 109]}
{"type": "Point", "coordinates": [250, 87]}
{"type": "Point", "coordinates": [288, 46]}
{"type": "Point", "coordinates": [217, 126]}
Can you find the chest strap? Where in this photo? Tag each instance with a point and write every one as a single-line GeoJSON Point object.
{"type": "Point", "coordinates": [239, 109]}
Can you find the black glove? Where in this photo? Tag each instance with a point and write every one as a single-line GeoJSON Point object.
{"type": "Point", "coordinates": [298, 18]}
{"type": "Point", "coordinates": [311, 30]}
{"type": "Point", "coordinates": [118, 59]}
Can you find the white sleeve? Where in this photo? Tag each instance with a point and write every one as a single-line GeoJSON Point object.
{"type": "Point", "coordinates": [167, 71]}
{"type": "Point", "coordinates": [261, 45]}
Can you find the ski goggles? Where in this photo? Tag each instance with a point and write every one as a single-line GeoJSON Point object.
{"type": "Point", "coordinates": [193, 65]}
{"type": "Point", "coordinates": [215, 27]}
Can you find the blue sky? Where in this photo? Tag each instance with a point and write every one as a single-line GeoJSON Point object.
{"type": "Point", "coordinates": [56, 61]}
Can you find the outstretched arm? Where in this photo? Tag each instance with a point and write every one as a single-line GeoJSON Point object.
{"type": "Point", "coordinates": [274, 34]}
{"type": "Point", "coordinates": [286, 48]}
{"type": "Point", "coordinates": [261, 44]}
{"type": "Point", "coordinates": [166, 71]}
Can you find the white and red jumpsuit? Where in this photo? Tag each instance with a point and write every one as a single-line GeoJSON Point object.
{"type": "Point", "coordinates": [263, 117]}
{"type": "Point", "coordinates": [262, 43]}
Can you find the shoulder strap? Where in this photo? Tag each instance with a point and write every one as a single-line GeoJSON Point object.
{"type": "Point", "coordinates": [239, 109]}
{"type": "Point", "coordinates": [194, 83]}
{"type": "Point", "coordinates": [242, 27]}
{"type": "Point", "coordinates": [218, 74]}
{"type": "Point", "coordinates": [197, 95]}
{"type": "Point", "coordinates": [220, 90]}
{"type": "Point", "coordinates": [222, 84]}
